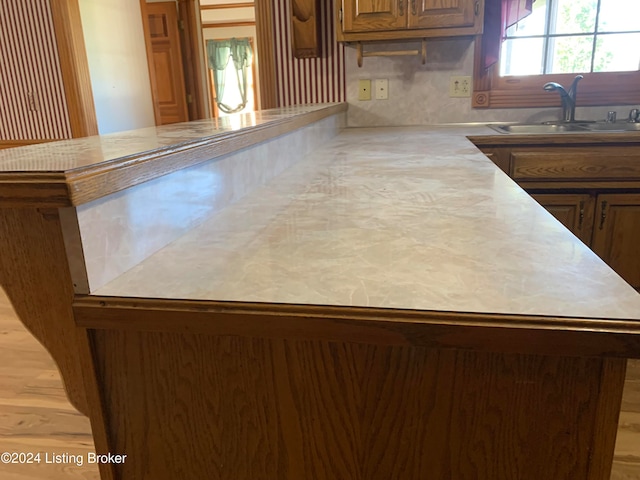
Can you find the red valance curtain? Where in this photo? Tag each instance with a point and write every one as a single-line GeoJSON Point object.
{"type": "Point", "coordinates": [498, 16]}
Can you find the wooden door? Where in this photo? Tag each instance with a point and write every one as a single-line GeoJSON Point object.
{"type": "Point", "coordinates": [166, 68]}
{"type": "Point", "coordinates": [374, 15]}
{"type": "Point", "coordinates": [574, 211]}
{"type": "Point", "coordinates": [442, 13]}
{"type": "Point", "coordinates": [616, 235]}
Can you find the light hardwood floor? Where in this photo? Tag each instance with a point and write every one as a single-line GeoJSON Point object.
{"type": "Point", "coordinates": [35, 415]}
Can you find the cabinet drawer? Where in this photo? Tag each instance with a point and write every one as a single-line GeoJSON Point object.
{"type": "Point", "coordinates": [599, 164]}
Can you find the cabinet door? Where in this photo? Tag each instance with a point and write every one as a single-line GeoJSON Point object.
{"type": "Point", "coordinates": [443, 13]}
{"type": "Point", "coordinates": [500, 156]}
{"type": "Point", "coordinates": [616, 235]}
{"type": "Point", "coordinates": [574, 211]}
{"type": "Point", "coordinates": [374, 15]}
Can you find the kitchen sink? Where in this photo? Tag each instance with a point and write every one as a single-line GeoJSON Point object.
{"type": "Point", "coordinates": [613, 127]}
{"type": "Point", "coordinates": [542, 128]}
{"type": "Point", "coordinates": [539, 128]}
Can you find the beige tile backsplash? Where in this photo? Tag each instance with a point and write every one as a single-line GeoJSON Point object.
{"type": "Point", "coordinates": [419, 94]}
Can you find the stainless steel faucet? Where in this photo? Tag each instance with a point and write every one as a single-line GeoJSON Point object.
{"type": "Point", "coordinates": [568, 98]}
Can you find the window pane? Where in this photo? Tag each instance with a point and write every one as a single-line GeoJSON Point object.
{"type": "Point", "coordinates": [619, 15]}
{"type": "Point", "coordinates": [575, 16]}
{"type": "Point", "coordinates": [617, 53]}
{"type": "Point", "coordinates": [522, 56]}
{"type": "Point", "coordinates": [532, 24]}
{"type": "Point", "coordinates": [570, 54]}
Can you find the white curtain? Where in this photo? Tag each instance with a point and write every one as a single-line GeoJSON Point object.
{"type": "Point", "coordinates": [220, 52]}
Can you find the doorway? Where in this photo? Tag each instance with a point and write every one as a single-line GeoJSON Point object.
{"type": "Point", "coordinates": [176, 61]}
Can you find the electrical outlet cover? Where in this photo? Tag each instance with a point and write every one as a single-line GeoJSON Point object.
{"type": "Point", "coordinates": [364, 89]}
{"type": "Point", "coordinates": [460, 86]}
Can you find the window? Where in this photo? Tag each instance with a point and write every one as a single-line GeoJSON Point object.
{"type": "Point", "coordinates": [232, 94]}
{"type": "Point", "coordinates": [559, 39]}
{"type": "Point", "coordinates": [231, 74]}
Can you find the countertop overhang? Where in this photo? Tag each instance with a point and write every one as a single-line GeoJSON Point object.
{"type": "Point", "coordinates": [77, 171]}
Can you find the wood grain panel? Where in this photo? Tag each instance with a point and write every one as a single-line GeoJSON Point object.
{"type": "Point", "coordinates": [227, 5]}
{"type": "Point", "coordinates": [37, 415]}
{"type": "Point", "coordinates": [198, 406]}
{"type": "Point", "coordinates": [479, 332]}
{"type": "Point", "coordinates": [576, 163]}
{"type": "Point", "coordinates": [305, 28]}
{"type": "Point", "coordinates": [75, 67]}
{"type": "Point", "coordinates": [444, 14]}
{"type": "Point", "coordinates": [170, 97]}
{"type": "Point", "coordinates": [616, 237]}
{"type": "Point", "coordinates": [575, 139]}
{"type": "Point", "coordinates": [574, 211]}
{"type": "Point", "coordinates": [36, 278]}
{"type": "Point", "coordinates": [268, 96]}
{"type": "Point", "coordinates": [192, 48]}
{"type": "Point", "coordinates": [373, 15]}
{"type": "Point", "coordinates": [31, 83]}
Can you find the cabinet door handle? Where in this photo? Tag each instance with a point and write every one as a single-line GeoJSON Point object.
{"type": "Point", "coordinates": [401, 7]}
{"type": "Point", "coordinates": [476, 8]}
{"type": "Point", "coordinates": [603, 215]}
{"type": "Point", "coordinates": [414, 9]}
{"type": "Point", "coordinates": [581, 218]}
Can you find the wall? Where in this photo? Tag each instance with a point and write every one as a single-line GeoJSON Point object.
{"type": "Point", "coordinates": [419, 94]}
{"type": "Point", "coordinates": [312, 80]}
{"type": "Point", "coordinates": [33, 105]}
{"type": "Point", "coordinates": [118, 64]}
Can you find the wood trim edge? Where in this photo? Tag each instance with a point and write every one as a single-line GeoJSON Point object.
{"type": "Point", "coordinates": [149, 50]}
{"type": "Point", "coordinates": [606, 419]}
{"type": "Point", "coordinates": [475, 331]}
{"type": "Point", "coordinates": [266, 55]}
{"type": "Point", "coordinates": [82, 185]}
{"type": "Point", "coordinates": [223, 6]}
{"type": "Point", "coordinates": [75, 67]}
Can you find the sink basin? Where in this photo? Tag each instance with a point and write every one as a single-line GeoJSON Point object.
{"type": "Point", "coordinates": [613, 127]}
{"type": "Point", "coordinates": [539, 128]}
{"type": "Point", "coordinates": [527, 129]}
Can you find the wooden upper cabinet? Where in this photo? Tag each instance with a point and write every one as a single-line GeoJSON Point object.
{"type": "Point", "coordinates": [373, 15]}
{"type": "Point", "coordinates": [373, 20]}
{"type": "Point", "coordinates": [442, 13]}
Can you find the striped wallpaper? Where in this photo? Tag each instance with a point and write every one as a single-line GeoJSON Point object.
{"type": "Point", "coordinates": [309, 80]}
{"type": "Point", "coordinates": [32, 101]}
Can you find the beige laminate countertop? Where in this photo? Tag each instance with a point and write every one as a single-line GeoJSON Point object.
{"type": "Point", "coordinates": [77, 171]}
{"type": "Point", "coordinates": [412, 218]}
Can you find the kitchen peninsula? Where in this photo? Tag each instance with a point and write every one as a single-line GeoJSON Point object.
{"type": "Point", "coordinates": [296, 300]}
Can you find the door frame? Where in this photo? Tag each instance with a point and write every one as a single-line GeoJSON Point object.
{"type": "Point", "coordinates": [266, 55]}
{"type": "Point", "coordinates": [191, 44]}
{"type": "Point", "coordinates": [74, 65]}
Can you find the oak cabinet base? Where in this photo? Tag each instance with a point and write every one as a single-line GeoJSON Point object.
{"type": "Point", "coordinates": [222, 407]}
